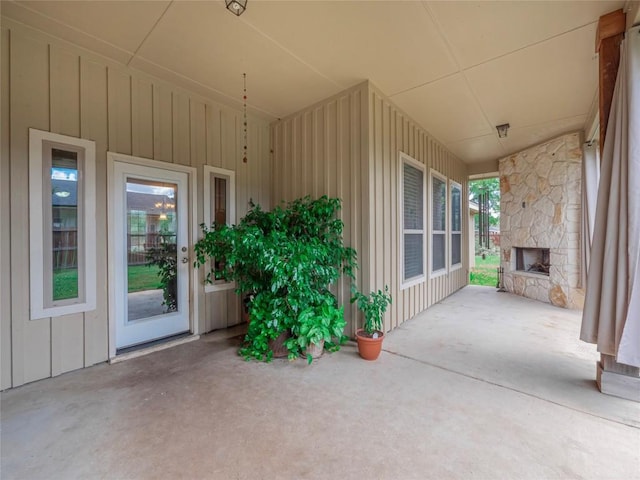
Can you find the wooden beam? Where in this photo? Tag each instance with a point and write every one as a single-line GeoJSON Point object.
{"type": "Point", "coordinates": [609, 35]}
{"type": "Point", "coordinates": [610, 25]}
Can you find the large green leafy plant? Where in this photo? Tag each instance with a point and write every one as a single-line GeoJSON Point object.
{"type": "Point", "coordinates": [288, 259]}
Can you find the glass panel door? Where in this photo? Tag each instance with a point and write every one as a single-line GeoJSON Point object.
{"type": "Point", "coordinates": [151, 253]}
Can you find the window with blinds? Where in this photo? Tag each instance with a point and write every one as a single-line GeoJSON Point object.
{"type": "Point", "coordinates": [439, 222]}
{"type": "Point", "coordinates": [412, 214]}
{"type": "Point", "coordinates": [456, 224]}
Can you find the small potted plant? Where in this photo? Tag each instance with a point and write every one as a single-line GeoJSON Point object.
{"type": "Point", "coordinates": [372, 306]}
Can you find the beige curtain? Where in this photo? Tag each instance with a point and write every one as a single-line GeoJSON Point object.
{"type": "Point", "coordinates": [611, 314]}
{"type": "Point", "coordinates": [590, 179]}
{"type": "Point", "coordinates": [629, 348]}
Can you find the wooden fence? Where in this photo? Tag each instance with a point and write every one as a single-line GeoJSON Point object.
{"type": "Point", "coordinates": [65, 247]}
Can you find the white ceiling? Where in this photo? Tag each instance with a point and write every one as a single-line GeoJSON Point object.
{"type": "Point", "coordinates": [457, 68]}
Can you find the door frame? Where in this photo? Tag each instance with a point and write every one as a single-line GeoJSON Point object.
{"type": "Point", "coordinates": [192, 235]}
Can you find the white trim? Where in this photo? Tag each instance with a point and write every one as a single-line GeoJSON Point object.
{"type": "Point", "coordinates": [219, 172]}
{"type": "Point", "coordinates": [154, 348]}
{"type": "Point", "coordinates": [404, 158]}
{"type": "Point", "coordinates": [112, 158]}
{"type": "Point", "coordinates": [86, 300]}
{"type": "Point", "coordinates": [209, 173]}
{"type": "Point", "coordinates": [481, 176]}
{"type": "Point", "coordinates": [219, 287]}
{"type": "Point", "coordinates": [442, 271]}
{"type": "Point", "coordinates": [454, 266]}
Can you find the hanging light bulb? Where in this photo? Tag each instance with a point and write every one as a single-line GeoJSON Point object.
{"type": "Point", "coordinates": [163, 213]}
{"type": "Point", "coordinates": [237, 7]}
{"type": "Point", "coordinates": [502, 130]}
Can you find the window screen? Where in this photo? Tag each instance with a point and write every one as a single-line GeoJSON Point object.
{"type": "Point", "coordinates": [439, 223]}
{"type": "Point", "coordinates": [456, 224]}
{"type": "Point", "coordinates": [413, 220]}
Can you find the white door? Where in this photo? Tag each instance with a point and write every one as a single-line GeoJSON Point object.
{"type": "Point", "coordinates": [150, 248]}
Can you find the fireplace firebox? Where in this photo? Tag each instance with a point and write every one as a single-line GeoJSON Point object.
{"type": "Point", "coordinates": [532, 260]}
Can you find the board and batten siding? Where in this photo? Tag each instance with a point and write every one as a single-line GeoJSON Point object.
{"type": "Point", "coordinates": [323, 150]}
{"type": "Point", "coordinates": [53, 86]}
{"type": "Point", "coordinates": [348, 146]}
{"type": "Point", "coordinates": [391, 131]}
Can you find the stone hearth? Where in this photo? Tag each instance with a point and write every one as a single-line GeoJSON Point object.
{"type": "Point", "coordinates": [540, 209]}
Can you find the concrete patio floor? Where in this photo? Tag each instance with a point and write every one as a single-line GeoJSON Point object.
{"type": "Point", "coordinates": [482, 385]}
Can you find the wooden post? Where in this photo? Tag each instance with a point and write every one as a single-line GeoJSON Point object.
{"type": "Point", "coordinates": [609, 35]}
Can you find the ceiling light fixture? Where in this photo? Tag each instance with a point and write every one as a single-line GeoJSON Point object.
{"type": "Point", "coordinates": [502, 130]}
{"type": "Point", "coordinates": [237, 7]}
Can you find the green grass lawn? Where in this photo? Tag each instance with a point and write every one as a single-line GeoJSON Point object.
{"type": "Point", "coordinates": [65, 283]}
{"type": "Point", "coordinates": [484, 273]}
{"type": "Point", "coordinates": [143, 277]}
{"type": "Point", "coordinates": [140, 277]}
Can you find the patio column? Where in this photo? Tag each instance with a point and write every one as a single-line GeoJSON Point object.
{"type": "Point", "coordinates": [611, 316]}
{"type": "Point", "coordinates": [608, 38]}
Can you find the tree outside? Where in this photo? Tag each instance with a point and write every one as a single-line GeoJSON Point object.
{"type": "Point", "coordinates": [492, 186]}
{"type": "Point", "coordinates": [487, 258]}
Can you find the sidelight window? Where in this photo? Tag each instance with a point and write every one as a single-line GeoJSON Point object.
{"type": "Point", "coordinates": [220, 209]}
{"type": "Point", "coordinates": [62, 224]}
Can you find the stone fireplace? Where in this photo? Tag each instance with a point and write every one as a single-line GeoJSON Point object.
{"type": "Point", "coordinates": [540, 221]}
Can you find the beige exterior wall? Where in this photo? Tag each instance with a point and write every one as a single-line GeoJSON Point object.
{"type": "Point", "coordinates": [50, 85]}
{"type": "Point", "coordinates": [323, 150]}
{"type": "Point", "coordinates": [348, 146]}
{"type": "Point", "coordinates": [5, 239]}
{"type": "Point", "coordinates": [392, 132]}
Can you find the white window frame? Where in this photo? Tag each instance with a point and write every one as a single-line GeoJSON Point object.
{"type": "Point", "coordinates": [443, 271]}
{"type": "Point", "coordinates": [455, 266]}
{"type": "Point", "coordinates": [209, 197]}
{"type": "Point", "coordinates": [40, 223]}
{"type": "Point", "coordinates": [404, 158]}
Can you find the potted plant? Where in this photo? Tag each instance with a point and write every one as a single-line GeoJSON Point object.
{"type": "Point", "coordinates": [316, 328]}
{"type": "Point", "coordinates": [287, 258]}
{"type": "Point", "coordinates": [372, 306]}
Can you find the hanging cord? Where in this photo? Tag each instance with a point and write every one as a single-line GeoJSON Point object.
{"type": "Point", "coordinates": [244, 98]}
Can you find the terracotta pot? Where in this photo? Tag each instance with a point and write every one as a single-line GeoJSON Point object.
{"type": "Point", "coordinates": [369, 348]}
{"type": "Point", "coordinates": [277, 345]}
{"type": "Point", "coordinates": [315, 349]}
